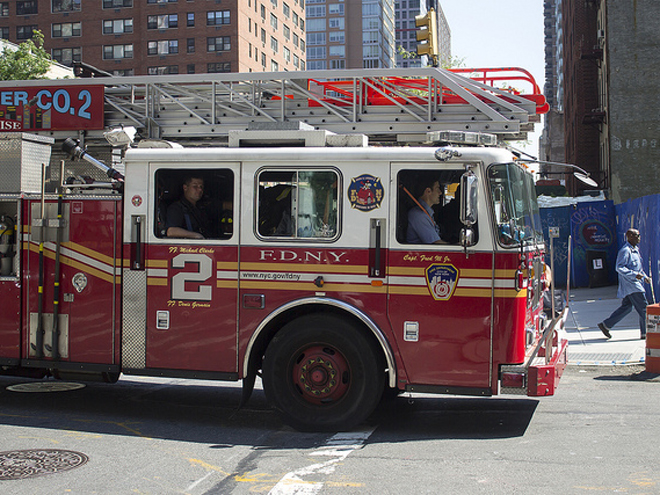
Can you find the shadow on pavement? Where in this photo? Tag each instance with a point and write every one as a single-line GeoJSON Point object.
{"type": "Point", "coordinates": [205, 412]}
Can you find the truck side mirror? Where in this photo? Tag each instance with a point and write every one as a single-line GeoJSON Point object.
{"type": "Point", "coordinates": [468, 214]}
{"type": "Point", "coordinates": [469, 196]}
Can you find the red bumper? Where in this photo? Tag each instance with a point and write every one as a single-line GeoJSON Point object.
{"type": "Point", "coordinates": [543, 379]}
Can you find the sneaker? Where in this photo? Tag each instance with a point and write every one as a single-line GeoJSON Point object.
{"type": "Point", "coordinates": [643, 337]}
{"type": "Point", "coordinates": [605, 331]}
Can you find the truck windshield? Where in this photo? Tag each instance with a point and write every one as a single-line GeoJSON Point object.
{"type": "Point", "coordinates": [516, 210]}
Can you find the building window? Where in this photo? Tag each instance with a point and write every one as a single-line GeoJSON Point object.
{"type": "Point", "coordinates": [117, 4]}
{"type": "Point", "coordinates": [65, 5]}
{"type": "Point", "coordinates": [338, 64]}
{"type": "Point", "coordinates": [274, 66]}
{"type": "Point", "coordinates": [123, 72]}
{"type": "Point", "coordinates": [317, 11]}
{"type": "Point", "coordinates": [114, 52]}
{"type": "Point", "coordinates": [25, 32]}
{"type": "Point", "coordinates": [190, 68]}
{"type": "Point", "coordinates": [4, 33]}
{"type": "Point", "coordinates": [287, 10]}
{"type": "Point", "coordinates": [273, 44]}
{"type": "Point", "coordinates": [67, 30]}
{"type": "Point", "coordinates": [218, 18]}
{"type": "Point", "coordinates": [337, 51]}
{"type": "Point", "coordinates": [337, 36]}
{"type": "Point", "coordinates": [336, 23]}
{"type": "Point", "coordinates": [162, 21]}
{"type": "Point", "coordinates": [4, 9]}
{"type": "Point", "coordinates": [218, 67]}
{"type": "Point", "coordinates": [163, 47]}
{"type": "Point", "coordinates": [316, 52]}
{"type": "Point", "coordinates": [118, 26]}
{"type": "Point", "coordinates": [190, 19]}
{"type": "Point", "coordinates": [286, 31]}
{"type": "Point", "coordinates": [218, 44]}
{"type": "Point", "coordinates": [273, 21]}
{"type": "Point", "coordinates": [163, 69]}
{"type": "Point", "coordinates": [26, 8]}
{"type": "Point", "coordinates": [316, 38]}
{"type": "Point", "coordinates": [316, 25]}
{"type": "Point", "coordinates": [162, 1]}
{"type": "Point", "coordinates": [67, 56]}
{"type": "Point", "coordinates": [287, 54]}
{"type": "Point", "coordinates": [190, 45]}
{"type": "Point", "coordinates": [336, 8]}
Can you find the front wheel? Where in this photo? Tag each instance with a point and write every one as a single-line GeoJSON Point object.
{"type": "Point", "coordinates": [322, 373]}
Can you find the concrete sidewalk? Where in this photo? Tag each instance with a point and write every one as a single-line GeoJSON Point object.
{"type": "Point", "coordinates": [587, 344]}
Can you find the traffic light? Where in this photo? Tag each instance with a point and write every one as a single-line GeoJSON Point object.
{"type": "Point", "coordinates": [427, 35]}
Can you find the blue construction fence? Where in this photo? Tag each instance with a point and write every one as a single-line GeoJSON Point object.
{"type": "Point", "coordinates": [597, 230]}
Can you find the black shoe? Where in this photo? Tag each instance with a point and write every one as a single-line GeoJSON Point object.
{"type": "Point", "coordinates": [605, 331]}
{"type": "Point", "coordinates": [643, 337]}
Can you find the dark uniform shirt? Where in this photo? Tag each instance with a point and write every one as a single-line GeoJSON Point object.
{"type": "Point", "coordinates": [187, 216]}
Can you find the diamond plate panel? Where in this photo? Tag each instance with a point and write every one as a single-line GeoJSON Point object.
{"type": "Point", "coordinates": [134, 319]}
{"type": "Point", "coordinates": [21, 156]}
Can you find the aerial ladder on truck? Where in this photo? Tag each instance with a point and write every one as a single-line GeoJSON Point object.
{"type": "Point", "coordinates": [388, 105]}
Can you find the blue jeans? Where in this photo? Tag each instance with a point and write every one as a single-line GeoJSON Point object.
{"type": "Point", "coordinates": [636, 300]}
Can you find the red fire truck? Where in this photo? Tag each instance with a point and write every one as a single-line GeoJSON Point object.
{"type": "Point", "coordinates": [305, 274]}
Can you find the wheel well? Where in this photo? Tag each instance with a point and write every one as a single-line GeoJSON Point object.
{"type": "Point", "coordinates": [275, 325]}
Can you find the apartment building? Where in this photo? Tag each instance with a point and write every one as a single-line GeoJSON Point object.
{"type": "Point", "coordinates": [138, 37]}
{"type": "Point", "coordinates": [350, 34]}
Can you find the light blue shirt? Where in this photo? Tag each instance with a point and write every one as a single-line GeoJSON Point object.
{"type": "Point", "coordinates": [422, 229]}
{"type": "Point", "coordinates": [628, 266]}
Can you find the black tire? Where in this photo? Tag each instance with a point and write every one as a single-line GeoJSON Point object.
{"type": "Point", "coordinates": [322, 373]}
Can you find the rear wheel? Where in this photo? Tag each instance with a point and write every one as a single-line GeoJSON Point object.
{"type": "Point", "coordinates": [322, 373]}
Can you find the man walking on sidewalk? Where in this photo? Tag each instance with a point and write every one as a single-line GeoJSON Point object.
{"type": "Point", "coordinates": [631, 289]}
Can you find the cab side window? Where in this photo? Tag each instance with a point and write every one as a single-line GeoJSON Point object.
{"type": "Point", "coordinates": [297, 204]}
{"type": "Point", "coordinates": [194, 203]}
{"type": "Point", "coordinates": [428, 206]}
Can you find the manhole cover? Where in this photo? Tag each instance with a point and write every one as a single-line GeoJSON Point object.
{"type": "Point", "coordinates": [45, 387]}
{"type": "Point", "coordinates": [21, 464]}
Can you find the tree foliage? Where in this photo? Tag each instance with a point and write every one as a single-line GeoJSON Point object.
{"type": "Point", "coordinates": [452, 63]}
{"type": "Point", "coordinates": [29, 61]}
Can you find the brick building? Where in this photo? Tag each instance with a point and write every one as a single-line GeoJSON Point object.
{"type": "Point", "coordinates": [582, 113]}
{"type": "Point", "coordinates": [137, 37]}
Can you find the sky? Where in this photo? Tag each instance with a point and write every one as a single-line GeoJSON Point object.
{"type": "Point", "coordinates": [499, 33]}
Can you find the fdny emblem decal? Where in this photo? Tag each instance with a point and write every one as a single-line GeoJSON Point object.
{"type": "Point", "coordinates": [441, 280]}
{"type": "Point", "coordinates": [365, 193]}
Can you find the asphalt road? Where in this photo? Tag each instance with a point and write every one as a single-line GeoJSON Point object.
{"type": "Point", "coordinates": [599, 434]}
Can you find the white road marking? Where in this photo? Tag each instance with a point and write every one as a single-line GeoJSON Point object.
{"type": "Point", "coordinates": [338, 447]}
{"type": "Point", "coordinates": [191, 487]}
